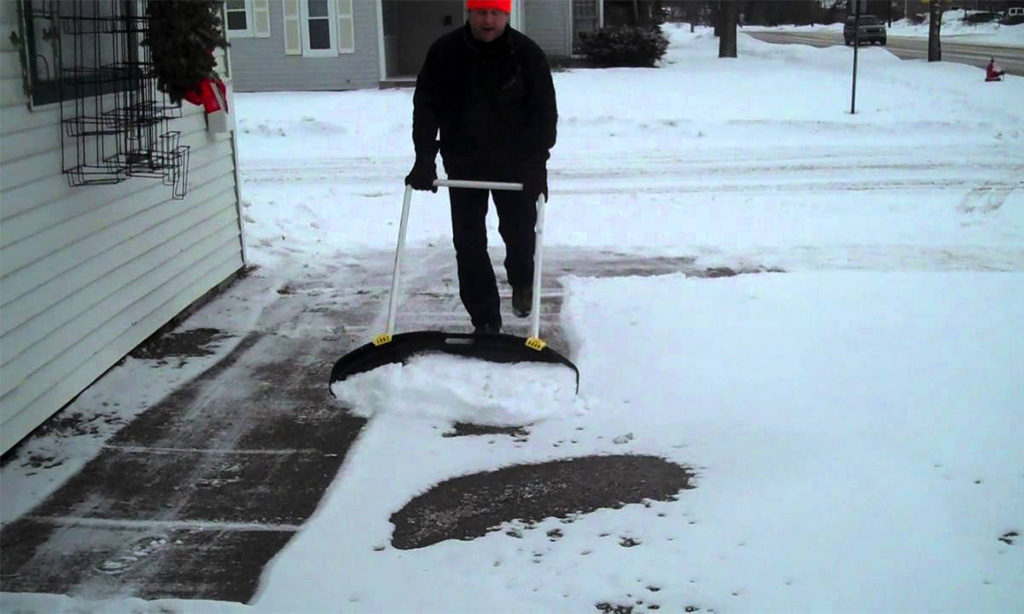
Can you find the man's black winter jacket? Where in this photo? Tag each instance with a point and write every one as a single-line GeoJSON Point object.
{"type": "Point", "coordinates": [494, 104]}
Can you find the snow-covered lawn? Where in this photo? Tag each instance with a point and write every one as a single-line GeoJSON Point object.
{"type": "Point", "coordinates": [855, 420]}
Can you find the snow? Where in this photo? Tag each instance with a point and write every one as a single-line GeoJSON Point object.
{"type": "Point", "coordinates": [854, 417]}
{"type": "Point", "coordinates": [457, 389]}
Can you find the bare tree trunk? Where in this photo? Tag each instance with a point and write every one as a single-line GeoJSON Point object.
{"type": "Point", "coordinates": [727, 38]}
{"type": "Point", "coordinates": [934, 25]}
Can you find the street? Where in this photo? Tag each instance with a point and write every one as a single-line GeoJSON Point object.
{"type": "Point", "coordinates": [1010, 59]}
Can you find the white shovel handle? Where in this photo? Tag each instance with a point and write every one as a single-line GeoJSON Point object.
{"type": "Point", "coordinates": [478, 185]}
{"type": "Point", "coordinates": [538, 263]}
{"type": "Point", "coordinates": [396, 275]}
{"type": "Point", "coordinates": [481, 185]}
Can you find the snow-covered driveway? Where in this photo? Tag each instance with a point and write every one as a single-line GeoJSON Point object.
{"type": "Point", "coordinates": [850, 406]}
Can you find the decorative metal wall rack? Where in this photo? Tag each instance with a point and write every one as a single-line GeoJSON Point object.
{"type": "Point", "coordinates": [116, 123]}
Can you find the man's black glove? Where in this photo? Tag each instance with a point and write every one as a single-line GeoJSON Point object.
{"type": "Point", "coordinates": [535, 181]}
{"type": "Point", "coordinates": [422, 176]}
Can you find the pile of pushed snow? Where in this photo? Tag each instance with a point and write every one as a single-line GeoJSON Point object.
{"type": "Point", "coordinates": [463, 390]}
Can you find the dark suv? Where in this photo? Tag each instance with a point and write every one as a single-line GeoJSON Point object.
{"type": "Point", "coordinates": [872, 30]}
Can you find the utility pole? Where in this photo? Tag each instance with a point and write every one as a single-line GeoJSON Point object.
{"type": "Point", "coordinates": [856, 46]}
{"type": "Point", "coordinates": [934, 24]}
{"type": "Point", "coordinates": [727, 36]}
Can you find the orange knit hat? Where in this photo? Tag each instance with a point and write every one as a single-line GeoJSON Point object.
{"type": "Point", "coordinates": [489, 5]}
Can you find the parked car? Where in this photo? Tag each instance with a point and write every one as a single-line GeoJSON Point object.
{"type": "Point", "coordinates": [1014, 15]}
{"type": "Point", "coordinates": [872, 30]}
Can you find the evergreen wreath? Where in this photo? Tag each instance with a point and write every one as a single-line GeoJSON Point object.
{"type": "Point", "coordinates": [182, 36]}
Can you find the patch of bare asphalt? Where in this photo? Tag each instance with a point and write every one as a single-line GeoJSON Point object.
{"type": "Point", "coordinates": [614, 264]}
{"type": "Point", "coordinates": [471, 506]}
{"type": "Point", "coordinates": [464, 429]}
{"type": "Point", "coordinates": [628, 608]}
{"type": "Point", "coordinates": [179, 345]}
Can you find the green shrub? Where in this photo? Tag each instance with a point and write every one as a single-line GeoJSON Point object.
{"type": "Point", "coordinates": [624, 46]}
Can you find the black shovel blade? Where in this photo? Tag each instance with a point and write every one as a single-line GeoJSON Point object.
{"type": "Point", "coordinates": [403, 346]}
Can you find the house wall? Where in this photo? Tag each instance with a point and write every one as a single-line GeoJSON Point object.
{"type": "Point", "coordinates": [260, 64]}
{"type": "Point", "coordinates": [547, 22]}
{"type": "Point", "coordinates": [87, 273]}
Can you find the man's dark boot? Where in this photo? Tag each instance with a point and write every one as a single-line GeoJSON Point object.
{"type": "Point", "coordinates": [522, 300]}
{"type": "Point", "coordinates": [487, 329]}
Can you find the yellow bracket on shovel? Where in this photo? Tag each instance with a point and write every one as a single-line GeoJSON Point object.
{"type": "Point", "coordinates": [381, 339]}
{"type": "Point", "coordinates": [536, 343]}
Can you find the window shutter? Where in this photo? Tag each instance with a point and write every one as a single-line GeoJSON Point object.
{"type": "Point", "coordinates": [346, 27]}
{"type": "Point", "coordinates": [292, 28]}
{"type": "Point", "coordinates": [261, 18]}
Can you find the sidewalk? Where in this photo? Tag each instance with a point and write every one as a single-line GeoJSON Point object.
{"type": "Point", "coordinates": [195, 496]}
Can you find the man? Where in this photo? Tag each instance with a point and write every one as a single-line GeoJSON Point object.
{"type": "Point", "coordinates": [488, 89]}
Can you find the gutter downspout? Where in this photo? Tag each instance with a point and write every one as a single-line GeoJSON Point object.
{"type": "Point", "coordinates": [381, 51]}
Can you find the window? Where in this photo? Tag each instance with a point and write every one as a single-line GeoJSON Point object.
{"type": "Point", "coordinates": [82, 48]}
{"type": "Point", "coordinates": [318, 28]}
{"type": "Point", "coordinates": [247, 18]}
{"type": "Point", "coordinates": [40, 27]}
{"type": "Point", "coordinates": [239, 17]}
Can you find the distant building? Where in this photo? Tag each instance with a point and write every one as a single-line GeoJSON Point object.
{"type": "Point", "coordinates": [299, 45]}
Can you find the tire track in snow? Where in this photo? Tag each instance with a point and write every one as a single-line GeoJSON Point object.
{"type": "Point", "coordinates": [718, 171]}
{"type": "Point", "coordinates": [991, 195]}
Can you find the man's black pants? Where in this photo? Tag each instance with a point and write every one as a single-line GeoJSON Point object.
{"type": "Point", "coordinates": [517, 220]}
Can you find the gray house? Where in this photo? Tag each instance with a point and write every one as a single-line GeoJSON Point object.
{"type": "Point", "coordinates": [118, 210]}
{"type": "Point", "coordinates": [295, 45]}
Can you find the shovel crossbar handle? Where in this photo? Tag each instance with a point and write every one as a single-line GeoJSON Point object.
{"type": "Point", "coordinates": [478, 185]}
{"type": "Point", "coordinates": [534, 342]}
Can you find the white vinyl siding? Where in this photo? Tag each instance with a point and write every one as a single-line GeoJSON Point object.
{"type": "Point", "coordinates": [87, 273]}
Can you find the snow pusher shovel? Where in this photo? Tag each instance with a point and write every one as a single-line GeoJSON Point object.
{"type": "Point", "coordinates": [390, 347]}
